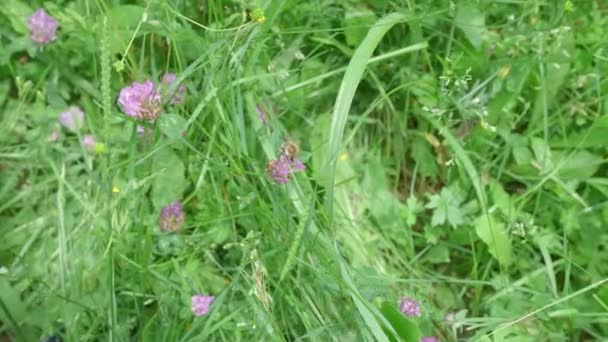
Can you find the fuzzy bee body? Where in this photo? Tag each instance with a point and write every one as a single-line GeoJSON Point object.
{"type": "Point", "coordinates": [269, 167]}
{"type": "Point", "coordinates": [290, 149]}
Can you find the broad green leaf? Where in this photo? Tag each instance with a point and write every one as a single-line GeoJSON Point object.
{"type": "Point", "coordinates": [471, 22]}
{"type": "Point", "coordinates": [580, 165]}
{"type": "Point", "coordinates": [438, 254]}
{"type": "Point", "coordinates": [446, 207]}
{"type": "Point", "coordinates": [455, 216]}
{"type": "Point", "coordinates": [501, 199]}
{"type": "Point", "coordinates": [357, 21]}
{"type": "Point", "coordinates": [522, 155]}
{"type": "Point", "coordinates": [424, 156]}
{"type": "Point", "coordinates": [384, 206]}
{"type": "Point", "coordinates": [18, 44]}
{"type": "Point", "coordinates": [494, 235]}
{"type": "Point", "coordinates": [122, 23]}
{"type": "Point", "coordinates": [542, 153]}
{"type": "Point", "coordinates": [413, 208]}
{"type": "Point", "coordinates": [17, 12]}
{"type": "Point", "coordinates": [12, 299]}
{"type": "Point", "coordinates": [407, 329]}
{"type": "Point", "coordinates": [440, 211]}
{"type": "Point", "coordinates": [124, 16]}
{"type": "Point", "coordinates": [425, 89]}
{"type": "Point", "coordinates": [593, 136]}
{"type": "Point", "coordinates": [172, 125]}
{"type": "Point", "coordinates": [170, 183]}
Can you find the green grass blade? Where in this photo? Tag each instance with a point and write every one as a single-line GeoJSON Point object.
{"type": "Point", "coordinates": [350, 82]}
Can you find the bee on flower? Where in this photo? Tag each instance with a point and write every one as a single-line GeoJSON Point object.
{"type": "Point", "coordinates": [281, 169]}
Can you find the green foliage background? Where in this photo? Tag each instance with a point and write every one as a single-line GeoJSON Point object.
{"type": "Point", "coordinates": [455, 153]}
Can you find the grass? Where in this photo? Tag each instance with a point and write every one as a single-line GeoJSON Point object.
{"type": "Point", "coordinates": [455, 153]}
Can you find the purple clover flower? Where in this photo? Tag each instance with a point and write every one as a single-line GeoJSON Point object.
{"type": "Point", "coordinates": [172, 217]}
{"type": "Point", "coordinates": [42, 27]}
{"type": "Point", "coordinates": [409, 307]}
{"type": "Point", "coordinates": [88, 141]}
{"type": "Point", "coordinates": [201, 304]}
{"type": "Point", "coordinates": [140, 101]}
{"type": "Point", "coordinates": [429, 339]}
{"type": "Point", "coordinates": [177, 96]}
{"type": "Point", "coordinates": [280, 170]}
{"type": "Point", "coordinates": [297, 165]}
{"type": "Point", "coordinates": [72, 119]}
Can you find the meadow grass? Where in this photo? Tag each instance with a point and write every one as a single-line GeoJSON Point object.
{"type": "Point", "coordinates": [454, 152]}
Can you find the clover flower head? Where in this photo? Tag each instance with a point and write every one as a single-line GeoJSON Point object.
{"type": "Point", "coordinates": [172, 217]}
{"type": "Point", "coordinates": [280, 170]}
{"type": "Point", "coordinates": [140, 101]}
{"type": "Point", "coordinates": [297, 165]}
{"type": "Point", "coordinates": [88, 141]}
{"type": "Point", "coordinates": [72, 119]}
{"type": "Point", "coordinates": [42, 27]}
{"type": "Point", "coordinates": [409, 307]}
{"type": "Point", "coordinates": [429, 339]}
{"type": "Point", "coordinates": [201, 304]}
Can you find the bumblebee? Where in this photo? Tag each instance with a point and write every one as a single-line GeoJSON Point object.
{"type": "Point", "coordinates": [269, 167]}
{"type": "Point", "coordinates": [290, 149]}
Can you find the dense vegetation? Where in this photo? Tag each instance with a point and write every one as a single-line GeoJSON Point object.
{"type": "Point", "coordinates": [319, 170]}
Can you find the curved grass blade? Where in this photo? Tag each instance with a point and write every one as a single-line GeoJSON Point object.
{"type": "Point", "coordinates": [350, 82]}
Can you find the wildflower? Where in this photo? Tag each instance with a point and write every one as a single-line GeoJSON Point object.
{"type": "Point", "coordinates": [280, 170]}
{"type": "Point", "coordinates": [42, 27]}
{"type": "Point", "coordinates": [72, 119]}
{"type": "Point", "coordinates": [88, 141]}
{"type": "Point", "coordinates": [429, 339]}
{"type": "Point", "coordinates": [297, 165]}
{"type": "Point", "coordinates": [172, 217]}
{"type": "Point", "coordinates": [201, 304]}
{"type": "Point", "coordinates": [178, 94]}
{"type": "Point", "coordinates": [409, 307]}
{"type": "Point", "coordinates": [140, 100]}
